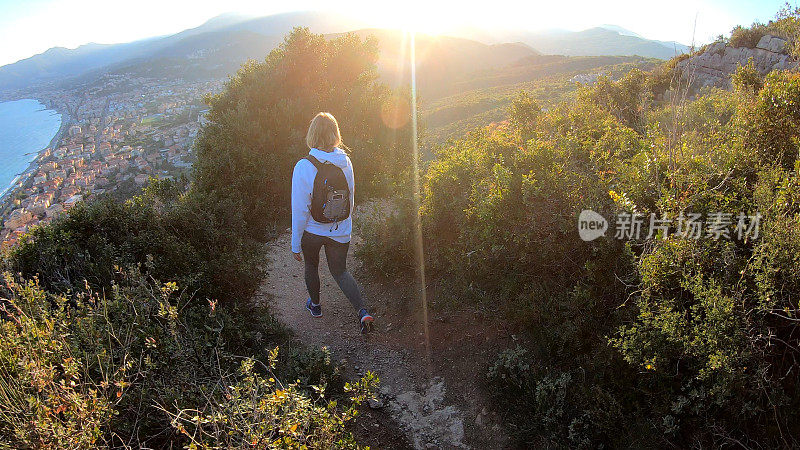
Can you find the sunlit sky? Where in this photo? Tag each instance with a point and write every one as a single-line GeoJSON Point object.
{"type": "Point", "coordinates": [28, 27]}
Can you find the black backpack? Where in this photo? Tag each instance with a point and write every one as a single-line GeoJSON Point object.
{"type": "Point", "coordinates": [330, 198]}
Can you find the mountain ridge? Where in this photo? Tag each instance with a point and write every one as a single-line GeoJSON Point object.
{"type": "Point", "coordinates": [59, 64]}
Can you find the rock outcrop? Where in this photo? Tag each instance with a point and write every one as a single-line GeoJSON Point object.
{"type": "Point", "coordinates": [714, 66]}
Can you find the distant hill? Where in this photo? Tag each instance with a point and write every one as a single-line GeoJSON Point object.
{"type": "Point", "coordinates": [59, 63]}
{"type": "Point", "coordinates": [620, 30]}
{"type": "Point", "coordinates": [200, 57]}
{"type": "Point", "coordinates": [606, 40]}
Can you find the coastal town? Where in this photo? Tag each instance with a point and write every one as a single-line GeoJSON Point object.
{"type": "Point", "coordinates": [116, 135]}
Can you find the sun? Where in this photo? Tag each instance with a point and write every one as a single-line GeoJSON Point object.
{"type": "Point", "coordinates": [412, 16]}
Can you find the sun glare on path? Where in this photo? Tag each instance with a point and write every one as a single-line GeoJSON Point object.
{"type": "Point", "coordinates": [396, 113]}
{"type": "Point", "coordinates": [419, 249]}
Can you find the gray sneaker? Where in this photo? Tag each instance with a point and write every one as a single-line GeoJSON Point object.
{"type": "Point", "coordinates": [315, 310]}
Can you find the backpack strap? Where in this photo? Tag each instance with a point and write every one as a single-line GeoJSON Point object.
{"type": "Point", "coordinates": [317, 163]}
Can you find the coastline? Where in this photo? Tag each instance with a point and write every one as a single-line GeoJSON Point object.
{"type": "Point", "coordinates": [34, 163]}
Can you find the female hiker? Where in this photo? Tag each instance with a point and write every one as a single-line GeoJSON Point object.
{"type": "Point", "coordinates": [322, 201]}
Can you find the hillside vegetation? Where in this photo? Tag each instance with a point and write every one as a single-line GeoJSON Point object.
{"type": "Point", "coordinates": [668, 341]}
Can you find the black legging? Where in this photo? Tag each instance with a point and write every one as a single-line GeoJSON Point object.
{"type": "Point", "coordinates": [336, 254]}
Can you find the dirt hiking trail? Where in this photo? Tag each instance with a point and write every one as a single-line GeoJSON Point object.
{"type": "Point", "coordinates": [426, 400]}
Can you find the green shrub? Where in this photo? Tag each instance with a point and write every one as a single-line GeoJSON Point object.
{"type": "Point", "coordinates": [525, 114]}
{"type": "Point", "coordinates": [189, 238]}
{"type": "Point", "coordinates": [47, 398]}
{"type": "Point", "coordinates": [747, 79]}
{"type": "Point", "coordinates": [548, 407]}
{"type": "Point", "coordinates": [256, 411]}
{"type": "Point", "coordinates": [787, 25]}
{"type": "Point", "coordinates": [688, 323]}
{"type": "Point", "coordinates": [665, 76]}
{"type": "Point", "coordinates": [747, 37]}
{"type": "Point", "coordinates": [627, 99]}
{"type": "Point", "coordinates": [387, 234]}
{"type": "Point", "coordinates": [502, 213]}
{"type": "Point", "coordinates": [92, 370]}
{"type": "Point", "coordinates": [773, 124]}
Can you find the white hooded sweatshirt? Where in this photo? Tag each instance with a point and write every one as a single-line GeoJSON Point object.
{"type": "Point", "coordinates": [303, 185]}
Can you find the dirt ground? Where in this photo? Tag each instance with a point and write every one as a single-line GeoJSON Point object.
{"type": "Point", "coordinates": [431, 396]}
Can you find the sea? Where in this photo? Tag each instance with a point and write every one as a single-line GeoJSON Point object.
{"type": "Point", "coordinates": [26, 127]}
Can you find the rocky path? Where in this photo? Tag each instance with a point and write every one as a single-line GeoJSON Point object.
{"type": "Point", "coordinates": [433, 396]}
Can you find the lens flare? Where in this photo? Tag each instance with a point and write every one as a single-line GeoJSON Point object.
{"type": "Point", "coordinates": [395, 112]}
{"type": "Point", "coordinates": [419, 251]}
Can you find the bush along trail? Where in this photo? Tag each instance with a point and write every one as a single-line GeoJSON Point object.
{"type": "Point", "coordinates": [435, 399]}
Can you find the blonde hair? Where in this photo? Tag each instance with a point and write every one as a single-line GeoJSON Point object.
{"type": "Point", "coordinates": [323, 133]}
